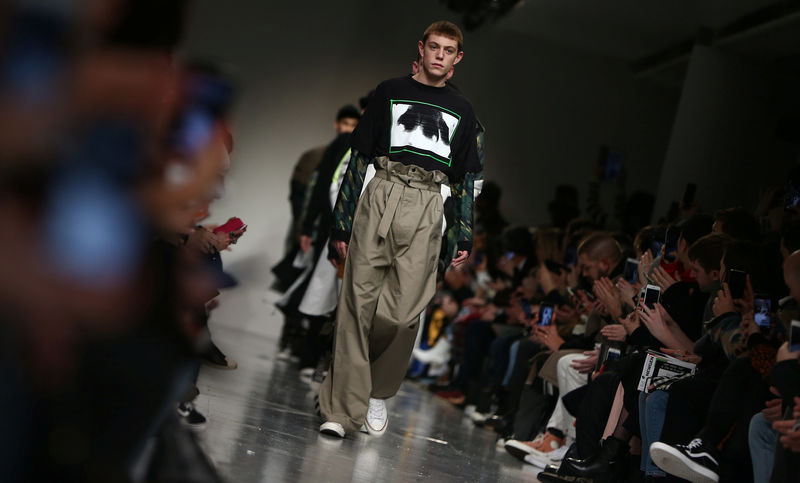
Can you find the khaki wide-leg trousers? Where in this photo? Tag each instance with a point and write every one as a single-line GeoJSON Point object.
{"type": "Point", "coordinates": [389, 279]}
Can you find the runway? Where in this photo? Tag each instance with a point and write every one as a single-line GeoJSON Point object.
{"type": "Point", "coordinates": [261, 427]}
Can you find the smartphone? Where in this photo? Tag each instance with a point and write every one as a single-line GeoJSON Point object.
{"type": "Point", "coordinates": [763, 308]}
{"type": "Point", "coordinates": [671, 243]}
{"type": "Point", "coordinates": [737, 281]}
{"type": "Point", "coordinates": [589, 295]}
{"type": "Point", "coordinates": [613, 353]}
{"type": "Point", "coordinates": [794, 336]}
{"type": "Point", "coordinates": [206, 99]}
{"type": "Point", "coordinates": [509, 255]}
{"type": "Point", "coordinates": [546, 314]}
{"type": "Point", "coordinates": [652, 294]}
{"type": "Point", "coordinates": [655, 248]}
{"type": "Point", "coordinates": [526, 307]}
{"type": "Point", "coordinates": [478, 259]}
{"type": "Point", "coordinates": [233, 224]}
{"type": "Point", "coordinates": [631, 270]}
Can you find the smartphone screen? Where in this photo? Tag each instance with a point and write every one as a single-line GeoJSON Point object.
{"type": "Point", "coordinates": [671, 243]}
{"type": "Point", "coordinates": [545, 315]}
{"type": "Point", "coordinates": [631, 270]}
{"type": "Point", "coordinates": [478, 258]}
{"type": "Point", "coordinates": [763, 308]}
{"type": "Point", "coordinates": [794, 336]}
{"type": "Point", "coordinates": [737, 280]}
{"type": "Point", "coordinates": [652, 294]}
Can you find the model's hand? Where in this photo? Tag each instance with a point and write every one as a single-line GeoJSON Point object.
{"type": "Point", "coordinates": [305, 243]}
{"type": "Point", "coordinates": [461, 257]}
{"type": "Point", "coordinates": [341, 249]}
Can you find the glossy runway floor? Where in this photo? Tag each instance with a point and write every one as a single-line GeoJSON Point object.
{"type": "Point", "coordinates": [261, 427]}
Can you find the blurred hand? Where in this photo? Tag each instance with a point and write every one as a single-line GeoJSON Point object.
{"type": "Point", "coordinates": [615, 332]}
{"type": "Point", "coordinates": [773, 410]}
{"type": "Point", "coordinates": [235, 235]}
{"type": "Point", "coordinates": [748, 324]}
{"type": "Point", "coordinates": [789, 439]}
{"type": "Point", "coordinates": [626, 291]}
{"type": "Point", "coordinates": [567, 315]}
{"type": "Point", "coordinates": [221, 240]}
{"type": "Point", "coordinates": [305, 243]}
{"type": "Point", "coordinates": [548, 335]}
{"type": "Point", "coordinates": [461, 257]}
{"type": "Point", "coordinates": [784, 354]}
{"type": "Point", "coordinates": [682, 355]}
{"type": "Point", "coordinates": [662, 278]}
{"type": "Point", "coordinates": [645, 262]}
{"type": "Point", "coordinates": [631, 322]}
{"type": "Point", "coordinates": [586, 366]}
{"type": "Point", "coordinates": [607, 294]}
{"type": "Point", "coordinates": [654, 322]}
{"type": "Point", "coordinates": [724, 302]}
{"type": "Point", "coordinates": [201, 240]}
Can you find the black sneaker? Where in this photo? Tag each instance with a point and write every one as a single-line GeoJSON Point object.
{"type": "Point", "coordinates": [190, 416]}
{"type": "Point", "coordinates": [695, 461]}
{"type": "Point", "coordinates": [214, 357]}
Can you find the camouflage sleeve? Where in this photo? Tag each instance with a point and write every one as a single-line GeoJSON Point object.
{"type": "Point", "coordinates": [464, 195]}
{"type": "Point", "coordinates": [346, 202]}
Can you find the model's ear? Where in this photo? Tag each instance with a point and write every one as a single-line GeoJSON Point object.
{"type": "Point", "coordinates": [421, 49]}
{"type": "Point", "coordinates": [459, 57]}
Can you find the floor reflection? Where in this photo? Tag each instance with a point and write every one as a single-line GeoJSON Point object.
{"type": "Point", "coordinates": [261, 427]}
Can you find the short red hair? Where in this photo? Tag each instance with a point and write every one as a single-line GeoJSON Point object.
{"type": "Point", "coordinates": [445, 29]}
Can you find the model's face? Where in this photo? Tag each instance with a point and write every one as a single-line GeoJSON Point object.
{"type": "Point", "coordinates": [439, 55]}
{"type": "Point", "coordinates": [345, 124]}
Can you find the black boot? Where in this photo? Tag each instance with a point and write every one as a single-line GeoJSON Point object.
{"type": "Point", "coordinates": [602, 463]}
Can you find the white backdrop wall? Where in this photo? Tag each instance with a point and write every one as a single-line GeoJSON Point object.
{"type": "Point", "coordinates": [547, 109]}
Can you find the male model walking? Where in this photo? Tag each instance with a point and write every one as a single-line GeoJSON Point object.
{"type": "Point", "coordinates": [419, 133]}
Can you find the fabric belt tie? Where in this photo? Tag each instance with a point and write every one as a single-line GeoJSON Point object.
{"type": "Point", "coordinates": [402, 177]}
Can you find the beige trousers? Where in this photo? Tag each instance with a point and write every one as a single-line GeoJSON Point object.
{"type": "Point", "coordinates": [389, 278]}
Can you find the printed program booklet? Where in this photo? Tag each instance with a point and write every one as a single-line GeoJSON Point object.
{"type": "Point", "coordinates": [661, 365]}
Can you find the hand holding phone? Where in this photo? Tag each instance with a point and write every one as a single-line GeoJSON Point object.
{"type": "Point", "coordinates": [233, 224]}
{"type": "Point", "coordinates": [546, 314]}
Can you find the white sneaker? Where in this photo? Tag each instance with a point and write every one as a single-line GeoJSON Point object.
{"type": "Point", "coordinates": [307, 374]}
{"type": "Point", "coordinates": [543, 459]}
{"type": "Point", "coordinates": [438, 354]}
{"type": "Point", "coordinates": [332, 429]}
{"type": "Point", "coordinates": [377, 417]}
